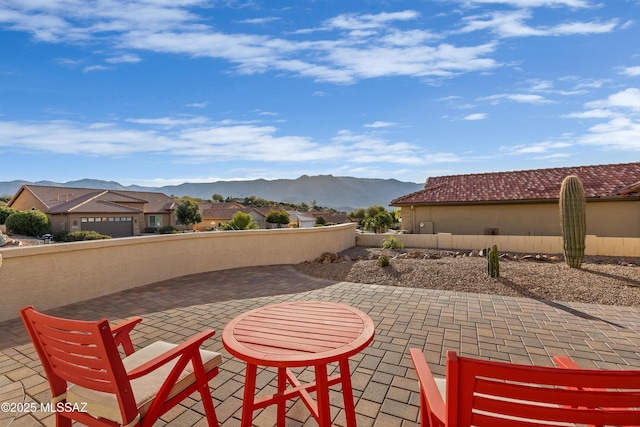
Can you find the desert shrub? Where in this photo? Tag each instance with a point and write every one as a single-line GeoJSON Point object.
{"type": "Point", "coordinates": [392, 243]}
{"type": "Point", "coordinates": [5, 211]}
{"type": "Point", "coordinates": [77, 236]}
{"type": "Point", "coordinates": [168, 229]}
{"type": "Point", "coordinates": [29, 223]}
{"type": "Point", "coordinates": [240, 221]}
{"type": "Point", "coordinates": [151, 229]}
{"type": "Point", "coordinates": [384, 261]}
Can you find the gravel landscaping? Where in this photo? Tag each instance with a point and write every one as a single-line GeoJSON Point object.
{"type": "Point", "coordinates": [601, 280]}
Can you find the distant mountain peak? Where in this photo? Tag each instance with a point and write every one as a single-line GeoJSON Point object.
{"type": "Point", "coordinates": [343, 193]}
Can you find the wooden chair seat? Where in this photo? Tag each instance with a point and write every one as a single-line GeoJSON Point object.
{"type": "Point", "coordinates": [145, 388]}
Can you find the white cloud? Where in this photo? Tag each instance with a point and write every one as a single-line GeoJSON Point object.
{"type": "Point", "coordinates": [523, 98]}
{"type": "Point", "coordinates": [628, 98]}
{"type": "Point", "coordinates": [619, 134]}
{"type": "Point", "coordinates": [512, 24]}
{"type": "Point", "coordinates": [197, 104]}
{"type": "Point", "coordinates": [540, 147]}
{"type": "Point", "coordinates": [127, 58]}
{"type": "Point", "coordinates": [201, 140]}
{"type": "Point", "coordinates": [631, 71]}
{"type": "Point", "coordinates": [533, 3]}
{"type": "Point", "coordinates": [476, 116]}
{"type": "Point", "coordinates": [362, 22]}
{"type": "Point", "coordinates": [357, 46]}
{"type": "Point", "coordinates": [380, 124]}
{"type": "Point", "coordinates": [91, 68]}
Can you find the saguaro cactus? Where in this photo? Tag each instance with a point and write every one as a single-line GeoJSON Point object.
{"type": "Point", "coordinates": [572, 215]}
{"type": "Point", "coordinates": [493, 262]}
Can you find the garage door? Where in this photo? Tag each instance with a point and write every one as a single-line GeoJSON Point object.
{"type": "Point", "coordinates": [111, 226]}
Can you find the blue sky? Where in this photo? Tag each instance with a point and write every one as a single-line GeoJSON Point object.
{"type": "Point", "coordinates": [159, 92]}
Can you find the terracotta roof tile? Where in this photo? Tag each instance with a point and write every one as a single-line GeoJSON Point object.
{"type": "Point", "coordinates": [615, 180]}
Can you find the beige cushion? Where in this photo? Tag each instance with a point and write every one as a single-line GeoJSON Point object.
{"type": "Point", "coordinates": [441, 382]}
{"type": "Point", "coordinates": [105, 405]}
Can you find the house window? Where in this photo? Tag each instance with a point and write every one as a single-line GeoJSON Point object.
{"type": "Point", "coordinates": [155, 221]}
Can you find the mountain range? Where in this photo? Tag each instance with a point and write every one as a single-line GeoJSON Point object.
{"type": "Point", "coordinates": [342, 193]}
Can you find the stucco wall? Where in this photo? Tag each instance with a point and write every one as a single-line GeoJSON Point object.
{"type": "Point", "coordinates": [49, 276]}
{"type": "Point", "coordinates": [606, 219]}
{"type": "Point", "coordinates": [595, 245]}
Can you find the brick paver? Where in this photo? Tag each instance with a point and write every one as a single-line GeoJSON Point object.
{"type": "Point", "coordinates": [519, 330]}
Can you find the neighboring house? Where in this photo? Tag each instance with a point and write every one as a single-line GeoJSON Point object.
{"type": "Point", "coordinates": [301, 219]}
{"type": "Point", "coordinates": [214, 214]}
{"type": "Point", "coordinates": [332, 218]}
{"type": "Point", "coordinates": [524, 202]}
{"type": "Point", "coordinates": [113, 212]}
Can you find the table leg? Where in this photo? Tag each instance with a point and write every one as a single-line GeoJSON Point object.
{"type": "Point", "coordinates": [322, 395]}
{"type": "Point", "coordinates": [282, 403]}
{"type": "Point", "coordinates": [249, 394]}
{"type": "Point", "coordinates": [347, 393]}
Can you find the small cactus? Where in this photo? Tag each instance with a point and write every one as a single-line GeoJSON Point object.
{"type": "Point", "coordinates": [572, 215]}
{"type": "Point", "coordinates": [493, 261]}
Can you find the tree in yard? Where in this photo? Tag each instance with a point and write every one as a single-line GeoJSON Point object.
{"type": "Point", "coordinates": [188, 213]}
{"type": "Point", "coordinates": [379, 223]}
{"type": "Point", "coordinates": [278, 217]}
{"type": "Point", "coordinates": [217, 197]}
{"type": "Point", "coordinates": [240, 221]}
{"type": "Point", "coordinates": [320, 220]}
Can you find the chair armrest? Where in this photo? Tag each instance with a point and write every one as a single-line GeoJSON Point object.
{"type": "Point", "coordinates": [565, 362]}
{"type": "Point", "coordinates": [121, 334]}
{"type": "Point", "coordinates": [192, 346]}
{"type": "Point", "coordinates": [429, 391]}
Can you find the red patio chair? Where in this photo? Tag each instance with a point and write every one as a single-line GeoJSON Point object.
{"type": "Point", "coordinates": [500, 394]}
{"type": "Point", "coordinates": [93, 385]}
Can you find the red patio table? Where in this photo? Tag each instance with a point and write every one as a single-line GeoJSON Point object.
{"type": "Point", "coordinates": [299, 334]}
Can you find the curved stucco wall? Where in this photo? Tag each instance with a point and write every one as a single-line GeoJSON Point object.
{"type": "Point", "coordinates": [49, 276]}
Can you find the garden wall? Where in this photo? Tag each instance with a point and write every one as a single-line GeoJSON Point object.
{"type": "Point", "coordinates": [49, 276]}
{"type": "Point", "coordinates": [607, 246]}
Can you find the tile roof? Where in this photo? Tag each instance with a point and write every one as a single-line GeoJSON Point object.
{"type": "Point", "coordinates": [600, 181]}
{"type": "Point", "coordinates": [81, 200]}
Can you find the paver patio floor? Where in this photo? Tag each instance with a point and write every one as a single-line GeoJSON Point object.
{"type": "Point", "coordinates": [518, 330]}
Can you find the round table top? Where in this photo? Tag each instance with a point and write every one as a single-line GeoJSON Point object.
{"type": "Point", "coordinates": [300, 333]}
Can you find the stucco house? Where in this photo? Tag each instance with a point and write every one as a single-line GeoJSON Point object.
{"type": "Point", "coordinates": [524, 202]}
{"type": "Point", "coordinates": [113, 212]}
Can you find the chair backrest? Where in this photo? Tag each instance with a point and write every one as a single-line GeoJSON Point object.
{"type": "Point", "coordinates": [82, 353]}
{"type": "Point", "coordinates": [489, 393]}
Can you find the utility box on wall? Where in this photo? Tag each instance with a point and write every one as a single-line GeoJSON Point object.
{"type": "Point", "coordinates": [426, 227]}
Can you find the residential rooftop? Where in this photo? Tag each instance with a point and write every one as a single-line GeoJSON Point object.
{"type": "Point", "coordinates": [600, 181]}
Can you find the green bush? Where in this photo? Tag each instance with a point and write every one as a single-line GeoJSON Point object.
{"type": "Point", "coordinates": [77, 236]}
{"type": "Point", "coordinates": [29, 223]}
{"type": "Point", "coordinates": [168, 229]}
{"type": "Point", "coordinates": [5, 211]}
{"type": "Point", "coordinates": [384, 261]}
{"type": "Point", "coordinates": [392, 243]}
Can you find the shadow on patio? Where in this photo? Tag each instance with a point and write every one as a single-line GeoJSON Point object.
{"type": "Point", "coordinates": [519, 330]}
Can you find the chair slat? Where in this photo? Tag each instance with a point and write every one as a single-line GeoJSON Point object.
{"type": "Point", "coordinates": [570, 397]}
{"type": "Point", "coordinates": [71, 336]}
{"type": "Point", "coordinates": [90, 362]}
{"type": "Point", "coordinates": [527, 410]}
